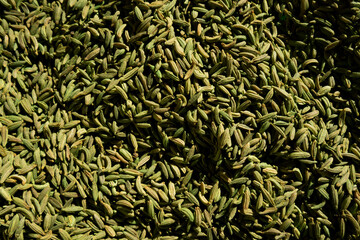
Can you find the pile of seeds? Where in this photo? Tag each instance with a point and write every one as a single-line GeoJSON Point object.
{"type": "Point", "coordinates": [178, 119]}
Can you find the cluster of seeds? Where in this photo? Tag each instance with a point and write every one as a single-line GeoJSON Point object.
{"type": "Point", "coordinates": [179, 119]}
